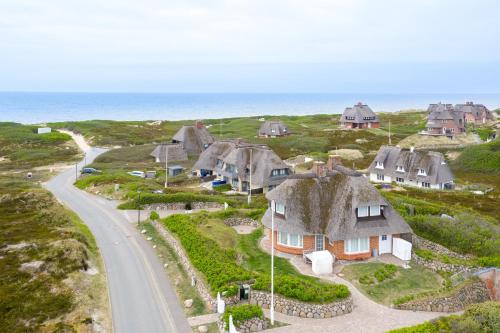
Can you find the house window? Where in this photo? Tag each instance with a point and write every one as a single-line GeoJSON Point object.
{"type": "Point", "coordinates": [400, 168]}
{"type": "Point", "coordinates": [384, 237]}
{"type": "Point", "coordinates": [357, 245]}
{"type": "Point", "coordinates": [375, 210]}
{"type": "Point", "coordinates": [400, 180]}
{"type": "Point", "coordinates": [279, 172]}
{"type": "Point", "coordinates": [291, 240]}
{"type": "Point", "coordinates": [380, 176]}
{"type": "Point", "coordinates": [363, 211]}
{"type": "Point", "coordinates": [426, 185]}
{"type": "Point", "coordinates": [273, 130]}
{"type": "Point", "coordinates": [421, 172]}
{"type": "Point", "coordinates": [349, 118]}
{"type": "Point", "coordinates": [379, 165]}
{"type": "Point", "coordinates": [279, 208]}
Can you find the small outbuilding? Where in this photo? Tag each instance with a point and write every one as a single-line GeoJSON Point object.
{"type": "Point", "coordinates": [44, 130]}
{"type": "Point", "coordinates": [194, 139]}
{"type": "Point", "coordinates": [174, 170]}
{"type": "Point", "coordinates": [273, 128]}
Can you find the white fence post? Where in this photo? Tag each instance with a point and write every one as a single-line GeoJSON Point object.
{"type": "Point", "coordinates": [232, 328]}
{"type": "Point", "coordinates": [221, 305]}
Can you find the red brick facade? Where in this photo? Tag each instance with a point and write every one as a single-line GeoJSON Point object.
{"type": "Point", "coordinates": [336, 248]}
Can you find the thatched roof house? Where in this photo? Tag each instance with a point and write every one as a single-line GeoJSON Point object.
{"type": "Point", "coordinates": [194, 138]}
{"type": "Point", "coordinates": [359, 116]}
{"type": "Point", "coordinates": [411, 167]}
{"type": "Point", "coordinates": [475, 113]}
{"type": "Point", "coordinates": [334, 209]}
{"type": "Point", "coordinates": [273, 128]}
{"type": "Point", "coordinates": [175, 153]}
{"type": "Point", "coordinates": [234, 161]}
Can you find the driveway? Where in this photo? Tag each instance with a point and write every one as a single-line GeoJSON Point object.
{"type": "Point", "coordinates": [141, 296]}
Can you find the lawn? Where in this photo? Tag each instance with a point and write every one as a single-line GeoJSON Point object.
{"type": "Point", "coordinates": [405, 281]}
{"type": "Point", "coordinates": [54, 293]}
{"type": "Point", "coordinates": [22, 148]}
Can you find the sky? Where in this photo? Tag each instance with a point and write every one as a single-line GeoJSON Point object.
{"type": "Point", "coordinates": [344, 46]}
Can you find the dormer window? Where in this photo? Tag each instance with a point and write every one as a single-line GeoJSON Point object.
{"type": "Point", "coordinates": [278, 172]}
{"type": "Point", "coordinates": [421, 172]}
{"type": "Point", "coordinates": [372, 210]}
{"type": "Point", "coordinates": [279, 208]}
{"type": "Point", "coordinates": [349, 118]}
{"type": "Point", "coordinates": [400, 168]}
{"type": "Point", "coordinates": [273, 130]}
{"type": "Point", "coordinates": [379, 165]}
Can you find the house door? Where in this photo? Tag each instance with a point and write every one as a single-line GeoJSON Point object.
{"type": "Point", "coordinates": [385, 244]}
{"type": "Point", "coordinates": [319, 243]}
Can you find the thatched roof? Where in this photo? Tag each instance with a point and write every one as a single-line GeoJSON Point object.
{"type": "Point", "coordinates": [327, 205]}
{"type": "Point", "coordinates": [194, 139]}
{"type": "Point", "coordinates": [433, 163]}
{"type": "Point", "coordinates": [175, 152]}
{"type": "Point", "coordinates": [273, 128]}
{"type": "Point", "coordinates": [477, 110]}
{"type": "Point", "coordinates": [439, 111]}
{"type": "Point", "coordinates": [235, 153]}
{"type": "Point", "coordinates": [361, 113]}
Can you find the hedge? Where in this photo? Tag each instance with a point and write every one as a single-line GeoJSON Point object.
{"type": "Point", "coordinates": [242, 313]}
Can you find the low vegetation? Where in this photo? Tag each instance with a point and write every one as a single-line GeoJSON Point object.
{"type": "Point", "coordinates": [44, 251]}
{"type": "Point", "coordinates": [224, 267]}
{"type": "Point", "coordinates": [22, 148]}
{"type": "Point", "coordinates": [386, 283]}
{"type": "Point", "coordinates": [478, 318]}
{"type": "Point", "coordinates": [242, 313]}
{"type": "Point", "coordinates": [480, 158]}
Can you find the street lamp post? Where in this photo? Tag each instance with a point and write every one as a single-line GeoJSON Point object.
{"type": "Point", "coordinates": [272, 262]}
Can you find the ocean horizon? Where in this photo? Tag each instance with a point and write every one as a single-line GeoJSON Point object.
{"type": "Point", "coordinates": [42, 107]}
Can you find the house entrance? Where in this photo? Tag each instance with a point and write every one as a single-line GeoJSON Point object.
{"type": "Point", "coordinates": [385, 244]}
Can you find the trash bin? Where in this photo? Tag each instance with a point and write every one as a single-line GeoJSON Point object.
{"type": "Point", "coordinates": [374, 252]}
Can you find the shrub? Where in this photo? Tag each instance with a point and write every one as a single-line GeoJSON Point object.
{"type": "Point", "coordinates": [242, 313]}
{"type": "Point", "coordinates": [222, 188]}
{"type": "Point", "coordinates": [154, 216]}
{"type": "Point", "coordinates": [366, 279]}
{"type": "Point", "coordinates": [480, 158]}
{"type": "Point", "coordinates": [386, 272]}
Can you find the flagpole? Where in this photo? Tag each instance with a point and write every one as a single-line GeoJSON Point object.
{"type": "Point", "coordinates": [250, 180]}
{"type": "Point", "coordinates": [272, 262]}
{"type": "Point", "coordinates": [166, 166]}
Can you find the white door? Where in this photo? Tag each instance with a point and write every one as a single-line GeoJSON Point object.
{"type": "Point", "coordinates": [385, 244]}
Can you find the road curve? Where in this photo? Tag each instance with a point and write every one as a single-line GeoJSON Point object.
{"type": "Point", "coordinates": [142, 298]}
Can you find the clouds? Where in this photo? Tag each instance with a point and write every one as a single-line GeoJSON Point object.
{"type": "Point", "coordinates": [94, 34]}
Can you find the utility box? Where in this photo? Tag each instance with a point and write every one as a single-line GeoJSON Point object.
{"type": "Point", "coordinates": [44, 130]}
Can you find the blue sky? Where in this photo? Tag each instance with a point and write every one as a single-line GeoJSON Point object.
{"type": "Point", "coordinates": [382, 46]}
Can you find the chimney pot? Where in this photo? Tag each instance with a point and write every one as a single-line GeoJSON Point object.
{"type": "Point", "coordinates": [199, 124]}
{"type": "Point", "coordinates": [333, 161]}
{"type": "Point", "coordinates": [319, 168]}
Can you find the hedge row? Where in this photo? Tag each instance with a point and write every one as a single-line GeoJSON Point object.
{"type": "Point", "coordinates": [242, 313]}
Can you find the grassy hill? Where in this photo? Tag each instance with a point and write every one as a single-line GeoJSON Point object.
{"type": "Point", "coordinates": [483, 158]}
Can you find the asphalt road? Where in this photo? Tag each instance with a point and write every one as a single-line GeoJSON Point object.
{"type": "Point", "coordinates": [142, 298]}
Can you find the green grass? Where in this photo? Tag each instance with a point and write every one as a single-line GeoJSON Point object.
{"type": "Point", "coordinates": [175, 271]}
{"type": "Point", "coordinates": [483, 158]}
{"type": "Point", "coordinates": [29, 214]}
{"type": "Point", "coordinates": [404, 282]}
{"type": "Point", "coordinates": [22, 148]}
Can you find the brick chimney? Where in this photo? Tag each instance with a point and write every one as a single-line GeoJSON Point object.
{"type": "Point", "coordinates": [333, 161]}
{"type": "Point", "coordinates": [319, 168]}
{"type": "Point", "coordinates": [199, 124]}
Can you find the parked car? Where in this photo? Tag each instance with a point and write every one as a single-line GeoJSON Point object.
{"type": "Point", "coordinates": [157, 192]}
{"type": "Point", "coordinates": [137, 173]}
{"type": "Point", "coordinates": [90, 170]}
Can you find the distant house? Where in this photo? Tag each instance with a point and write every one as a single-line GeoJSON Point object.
{"type": "Point", "coordinates": [273, 128]}
{"type": "Point", "coordinates": [425, 169]}
{"type": "Point", "coordinates": [334, 209]}
{"type": "Point", "coordinates": [475, 113]}
{"type": "Point", "coordinates": [175, 153]}
{"type": "Point", "coordinates": [235, 161]}
{"type": "Point", "coordinates": [194, 138]}
{"type": "Point", "coordinates": [44, 130]}
{"type": "Point", "coordinates": [443, 119]}
{"type": "Point", "coordinates": [359, 116]}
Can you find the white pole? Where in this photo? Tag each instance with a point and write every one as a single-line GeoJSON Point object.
{"type": "Point", "coordinates": [166, 166]}
{"type": "Point", "coordinates": [389, 132]}
{"type": "Point", "coordinates": [272, 262]}
{"type": "Point", "coordinates": [250, 180]}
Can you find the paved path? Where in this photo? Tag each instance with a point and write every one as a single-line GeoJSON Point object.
{"type": "Point", "coordinates": [142, 299]}
{"type": "Point", "coordinates": [367, 315]}
{"type": "Point", "coordinates": [204, 319]}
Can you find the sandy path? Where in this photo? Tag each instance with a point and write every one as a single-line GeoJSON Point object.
{"type": "Point", "coordinates": [79, 139]}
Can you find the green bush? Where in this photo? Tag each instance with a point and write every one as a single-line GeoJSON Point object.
{"type": "Point", "coordinates": [480, 158]}
{"type": "Point", "coordinates": [366, 279]}
{"type": "Point", "coordinates": [222, 188]}
{"type": "Point", "coordinates": [154, 216]}
{"type": "Point", "coordinates": [242, 313]}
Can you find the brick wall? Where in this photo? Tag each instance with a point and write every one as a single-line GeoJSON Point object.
{"type": "Point", "coordinates": [337, 248]}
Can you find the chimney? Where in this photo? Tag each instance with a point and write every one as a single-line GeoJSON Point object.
{"type": "Point", "coordinates": [412, 149]}
{"type": "Point", "coordinates": [238, 141]}
{"type": "Point", "coordinates": [319, 168]}
{"type": "Point", "coordinates": [199, 124]}
{"type": "Point", "coordinates": [333, 161]}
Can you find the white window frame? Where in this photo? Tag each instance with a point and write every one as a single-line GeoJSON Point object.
{"type": "Point", "coordinates": [277, 208]}
{"type": "Point", "coordinates": [400, 168]}
{"type": "Point", "coordinates": [367, 211]}
{"type": "Point", "coordinates": [377, 209]}
{"type": "Point", "coordinates": [421, 172]}
{"type": "Point", "coordinates": [379, 165]}
{"type": "Point", "coordinates": [380, 176]}
{"type": "Point", "coordinates": [348, 244]}
{"type": "Point", "coordinates": [287, 241]}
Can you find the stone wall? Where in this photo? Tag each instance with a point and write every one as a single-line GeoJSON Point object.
{"type": "Point", "coordinates": [250, 325]}
{"type": "Point", "coordinates": [469, 294]}
{"type": "Point", "coordinates": [182, 206]}
{"type": "Point", "coordinates": [300, 309]}
{"type": "Point", "coordinates": [201, 287]}
{"type": "Point", "coordinates": [435, 265]}
{"type": "Point", "coordinates": [424, 244]}
{"type": "Point", "coordinates": [234, 221]}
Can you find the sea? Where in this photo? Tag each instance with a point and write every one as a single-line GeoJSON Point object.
{"type": "Point", "coordinates": [38, 107]}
